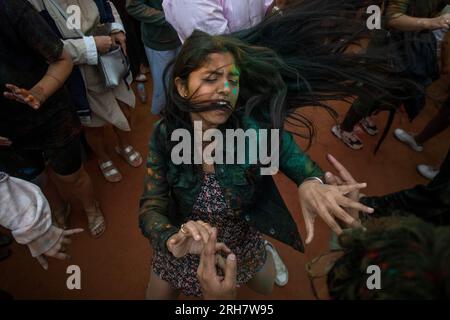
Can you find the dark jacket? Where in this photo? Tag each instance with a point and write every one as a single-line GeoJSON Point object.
{"type": "Point", "coordinates": [171, 190]}
{"type": "Point", "coordinates": [430, 203]}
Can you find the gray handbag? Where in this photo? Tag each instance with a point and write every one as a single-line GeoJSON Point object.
{"type": "Point", "coordinates": [113, 65]}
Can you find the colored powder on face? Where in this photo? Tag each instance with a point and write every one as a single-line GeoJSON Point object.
{"type": "Point", "coordinates": [227, 85]}
{"type": "Point", "coordinates": [235, 70]}
{"type": "Point", "coordinates": [235, 91]}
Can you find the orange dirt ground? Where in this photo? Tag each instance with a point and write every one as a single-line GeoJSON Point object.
{"type": "Point", "coordinates": [117, 265]}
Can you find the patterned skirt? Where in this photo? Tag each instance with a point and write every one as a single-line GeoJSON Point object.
{"type": "Point", "coordinates": [244, 241]}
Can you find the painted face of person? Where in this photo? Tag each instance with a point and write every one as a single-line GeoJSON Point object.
{"type": "Point", "coordinates": [217, 79]}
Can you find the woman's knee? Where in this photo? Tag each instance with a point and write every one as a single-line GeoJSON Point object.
{"type": "Point", "coordinates": [158, 289]}
{"type": "Point", "coordinates": [264, 280]}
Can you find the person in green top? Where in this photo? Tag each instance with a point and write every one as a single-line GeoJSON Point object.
{"type": "Point", "coordinates": [160, 40]}
{"type": "Point", "coordinates": [212, 78]}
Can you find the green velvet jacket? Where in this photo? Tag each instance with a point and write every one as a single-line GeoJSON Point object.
{"type": "Point", "coordinates": [170, 190]}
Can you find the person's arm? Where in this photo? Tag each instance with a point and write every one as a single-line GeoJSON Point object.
{"type": "Point", "coordinates": [154, 203]}
{"type": "Point", "coordinates": [117, 29]}
{"type": "Point", "coordinates": [428, 203]}
{"type": "Point", "coordinates": [296, 164]}
{"type": "Point", "coordinates": [141, 11]}
{"type": "Point", "coordinates": [25, 211]}
{"type": "Point", "coordinates": [315, 197]}
{"type": "Point", "coordinates": [57, 73]}
{"type": "Point", "coordinates": [117, 25]}
{"type": "Point", "coordinates": [32, 29]}
{"type": "Point", "coordinates": [399, 20]}
{"type": "Point", "coordinates": [85, 50]}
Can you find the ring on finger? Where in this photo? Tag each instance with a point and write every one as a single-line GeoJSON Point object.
{"type": "Point", "coordinates": [182, 229]}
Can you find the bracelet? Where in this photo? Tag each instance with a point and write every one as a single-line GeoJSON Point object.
{"type": "Point", "coordinates": [314, 178]}
{"type": "Point", "coordinates": [50, 76]}
{"type": "Point", "coordinates": [38, 94]}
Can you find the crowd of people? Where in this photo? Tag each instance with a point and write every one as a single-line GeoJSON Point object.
{"type": "Point", "coordinates": [226, 65]}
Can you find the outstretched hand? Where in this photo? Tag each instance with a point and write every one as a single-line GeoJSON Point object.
{"type": "Point", "coordinates": [58, 251]}
{"type": "Point", "coordinates": [33, 98]}
{"type": "Point", "coordinates": [343, 177]}
{"type": "Point", "coordinates": [328, 201]}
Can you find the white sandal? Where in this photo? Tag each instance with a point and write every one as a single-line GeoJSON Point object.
{"type": "Point", "coordinates": [130, 155]}
{"type": "Point", "coordinates": [96, 221]}
{"type": "Point", "coordinates": [109, 170]}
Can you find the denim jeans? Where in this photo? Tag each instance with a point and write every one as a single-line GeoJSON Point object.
{"type": "Point", "coordinates": [158, 61]}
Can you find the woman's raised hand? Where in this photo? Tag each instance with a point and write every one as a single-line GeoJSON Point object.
{"type": "Point", "coordinates": [343, 177]}
{"type": "Point", "coordinates": [191, 239]}
{"type": "Point", "coordinates": [328, 201]}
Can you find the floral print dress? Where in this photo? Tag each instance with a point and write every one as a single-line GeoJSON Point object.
{"type": "Point", "coordinates": [244, 241]}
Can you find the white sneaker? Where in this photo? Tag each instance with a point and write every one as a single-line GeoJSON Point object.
{"type": "Point", "coordinates": [282, 275]}
{"type": "Point", "coordinates": [349, 138]}
{"type": "Point", "coordinates": [428, 172]}
{"type": "Point", "coordinates": [407, 138]}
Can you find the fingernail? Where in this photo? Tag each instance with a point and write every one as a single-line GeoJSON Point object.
{"type": "Point", "coordinates": [371, 210]}
{"type": "Point", "coordinates": [327, 175]}
{"type": "Point", "coordinates": [232, 256]}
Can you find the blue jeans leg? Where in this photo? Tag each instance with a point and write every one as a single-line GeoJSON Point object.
{"type": "Point", "coordinates": [158, 61]}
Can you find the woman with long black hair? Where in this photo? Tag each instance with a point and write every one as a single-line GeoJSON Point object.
{"type": "Point", "coordinates": [223, 83]}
